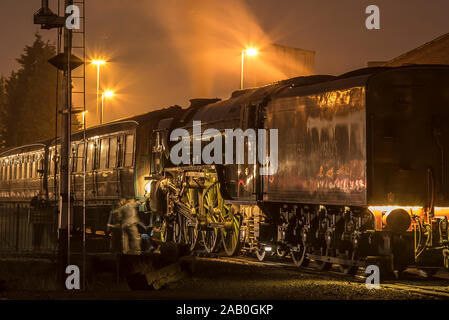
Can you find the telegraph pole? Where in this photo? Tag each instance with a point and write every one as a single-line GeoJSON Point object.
{"type": "Point", "coordinates": [66, 62]}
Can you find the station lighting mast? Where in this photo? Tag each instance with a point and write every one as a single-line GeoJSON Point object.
{"type": "Point", "coordinates": [65, 62]}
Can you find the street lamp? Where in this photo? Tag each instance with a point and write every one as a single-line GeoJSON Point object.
{"type": "Point", "coordinates": [250, 52]}
{"type": "Point", "coordinates": [98, 63]}
{"type": "Point", "coordinates": [106, 94]}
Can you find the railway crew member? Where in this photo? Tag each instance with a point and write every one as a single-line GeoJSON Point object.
{"type": "Point", "coordinates": [127, 216]}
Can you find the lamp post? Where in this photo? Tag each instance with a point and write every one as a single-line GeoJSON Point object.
{"type": "Point", "coordinates": [84, 119]}
{"type": "Point", "coordinates": [251, 52]}
{"type": "Point", "coordinates": [98, 63]}
{"type": "Point", "coordinates": [106, 94]}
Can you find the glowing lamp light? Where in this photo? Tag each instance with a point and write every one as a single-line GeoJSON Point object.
{"type": "Point", "coordinates": [251, 52]}
{"type": "Point", "coordinates": [98, 62]}
{"type": "Point", "coordinates": [109, 94]}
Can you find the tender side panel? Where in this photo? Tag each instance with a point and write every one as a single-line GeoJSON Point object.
{"type": "Point", "coordinates": [408, 116]}
{"type": "Point", "coordinates": [322, 147]}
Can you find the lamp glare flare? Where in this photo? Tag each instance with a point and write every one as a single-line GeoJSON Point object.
{"type": "Point", "coordinates": [98, 62]}
{"type": "Point", "coordinates": [251, 52]}
{"type": "Point", "coordinates": [109, 93]}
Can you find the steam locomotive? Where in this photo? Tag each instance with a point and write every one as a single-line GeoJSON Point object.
{"type": "Point", "coordinates": [361, 177]}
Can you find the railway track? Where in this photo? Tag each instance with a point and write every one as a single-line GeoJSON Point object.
{"type": "Point", "coordinates": [436, 287]}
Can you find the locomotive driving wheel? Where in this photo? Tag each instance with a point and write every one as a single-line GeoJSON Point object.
{"type": "Point", "coordinates": [231, 235]}
{"type": "Point", "coordinates": [217, 211]}
{"type": "Point", "coordinates": [190, 227]}
{"type": "Point", "coordinates": [212, 212]}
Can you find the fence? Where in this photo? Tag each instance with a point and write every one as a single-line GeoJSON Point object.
{"type": "Point", "coordinates": [25, 231]}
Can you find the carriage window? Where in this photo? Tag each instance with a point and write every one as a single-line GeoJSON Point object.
{"type": "Point", "coordinates": [104, 153]}
{"type": "Point", "coordinates": [129, 146]}
{"type": "Point", "coordinates": [36, 167]}
{"type": "Point", "coordinates": [113, 152]}
{"type": "Point", "coordinates": [33, 167]}
{"type": "Point", "coordinates": [51, 163]}
{"type": "Point", "coordinates": [25, 169]}
{"type": "Point", "coordinates": [19, 170]}
{"type": "Point", "coordinates": [73, 158]}
{"type": "Point", "coordinates": [32, 175]}
{"type": "Point", "coordinates": [90, 156]}
{"type": "Point", "coordinates": [30, 167]}
{"type": "Point", "coordinates": [40, 164]}
{"type": "Point", "coordinates": [80, 159]}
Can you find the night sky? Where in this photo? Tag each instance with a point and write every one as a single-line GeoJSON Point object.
{"type": "Point", "coordinates": [164, 52]}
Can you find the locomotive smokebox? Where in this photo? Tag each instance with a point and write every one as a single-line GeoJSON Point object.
{"type": "Point", "coordinates": [397, 220]}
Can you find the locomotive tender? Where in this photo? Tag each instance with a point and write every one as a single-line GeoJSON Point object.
{"type": "Point", "coordinates": [361, 179]}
